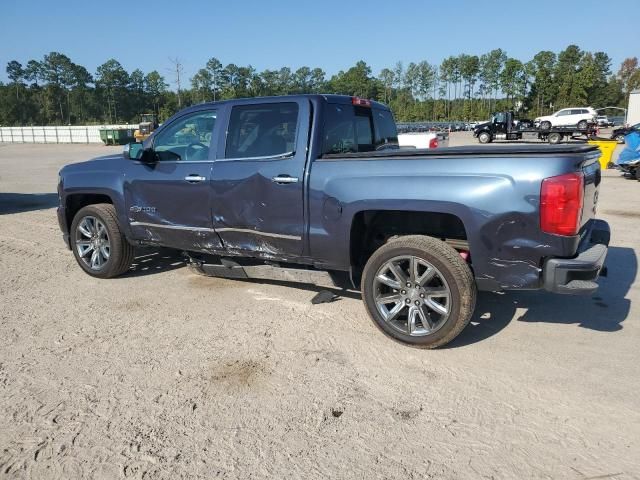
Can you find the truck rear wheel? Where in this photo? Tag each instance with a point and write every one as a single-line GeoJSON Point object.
{"type": "Point", "coordinates": [98, 244]}
{"type": "Point", "coordinates": [554, 138]}
{"type": "Point", "coordinates": [419, 291]}
{"type": "Point", "coordinates": [484, 137]}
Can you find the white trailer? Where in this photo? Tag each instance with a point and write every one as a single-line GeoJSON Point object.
{"type": "Point", "coordinates": [633, 109]}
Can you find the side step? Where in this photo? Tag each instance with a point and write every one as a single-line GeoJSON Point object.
{"type": "Point", "coordinates": [228, 268]}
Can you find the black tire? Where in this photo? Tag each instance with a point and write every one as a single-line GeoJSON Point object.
{"type": "Point", "coordinates": [484, 137]}
{"type": "Point", "coordinates": [454, 270]}
{"type": "Point", "coordinates": [582, 125]}
{"type": "Point", "coordinates": [546, 125]}
{"type": "Point", "coordinates": [121, 251]}
{"type": "Point", "coordinates": [554, 138]}
{"type": "Point", "coordinates": [636, 174]}
{"type": "Point", "coordinates": [619, 138]}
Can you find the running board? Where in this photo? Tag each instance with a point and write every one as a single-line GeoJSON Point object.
{"type": "Point", "coordinates": [230, 269]}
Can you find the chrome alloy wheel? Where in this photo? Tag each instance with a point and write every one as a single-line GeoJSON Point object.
{"type": "Point", "coordinates": [92, 242]}
{"type": "Point", "coordinates": [412, 295]}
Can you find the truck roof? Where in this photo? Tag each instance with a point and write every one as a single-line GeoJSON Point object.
{"type": "Point", "coordinates": [329, 98]}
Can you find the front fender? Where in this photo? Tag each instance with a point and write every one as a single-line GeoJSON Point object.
{"type": "Point", "coordinates": [97, 182]}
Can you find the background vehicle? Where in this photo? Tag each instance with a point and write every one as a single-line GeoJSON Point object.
{"type": "Point", "coordinates": [423, 139]}
{"type": "Point", "coordinates": [148, 124]}
{"type": "Point", "coordinates": [295, 187]}
{"type": "Point", "coordinates": [580, 117]}
{"type": "Point", "coordinates": [621, 132]}
{"type": "Point", "coordinates": [503, 126]}
{"type": "Point", "coordinates": [603, 121]}
{"type": "Point", "coordinates": [629, 159]}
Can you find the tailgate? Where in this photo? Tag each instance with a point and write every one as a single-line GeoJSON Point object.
{"type": "Point", "coordinates": [592, 177]}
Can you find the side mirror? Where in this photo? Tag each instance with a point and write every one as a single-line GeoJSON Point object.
{"type": "Point", "coordinates": [136, 151]}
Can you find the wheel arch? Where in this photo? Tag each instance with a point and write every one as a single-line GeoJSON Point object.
{"type": "Point", "coordinates": [75, 201]}
{"type": "Point", "coordinates": [371, 229]}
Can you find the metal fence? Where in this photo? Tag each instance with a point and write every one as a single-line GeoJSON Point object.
{"type": "Point", "coordinates": [62, 134]}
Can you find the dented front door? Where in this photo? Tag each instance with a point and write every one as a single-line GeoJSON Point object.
{"type": "Point", "coordinates": [168, 200]}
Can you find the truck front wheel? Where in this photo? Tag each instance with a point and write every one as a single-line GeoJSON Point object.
{"type": "Point", "coordinates": [484, 137]}
{"type": "Point", "coordinates": [419, 291]}
{"type": "Point", "coordinates": [98, 244]}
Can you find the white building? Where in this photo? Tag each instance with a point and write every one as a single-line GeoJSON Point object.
{"type": "Point", "coordinates": [633, 110]}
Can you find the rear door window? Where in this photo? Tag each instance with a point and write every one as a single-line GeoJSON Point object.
{"type": "Point", "coordinates": [262, 130]}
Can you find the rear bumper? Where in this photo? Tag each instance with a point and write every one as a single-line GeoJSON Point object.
{"type": "Point", "coordinates": [578, 275]}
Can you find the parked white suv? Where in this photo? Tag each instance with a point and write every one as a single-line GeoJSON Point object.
{"type": "Point", "coordinates": [603, 121]}
{"type": "Point", "coordinates": [567, 117]}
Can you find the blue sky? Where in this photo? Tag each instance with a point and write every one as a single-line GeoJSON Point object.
{"type": "Point", "coordinates": [330, 34]}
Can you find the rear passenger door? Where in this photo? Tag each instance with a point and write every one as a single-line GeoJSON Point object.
{"type": "Point", "coordinates": [258, 178]}
{"type": "Point", "coordinates": [564, 118]}
{"type": "Point", "coordinates": [576, 116]}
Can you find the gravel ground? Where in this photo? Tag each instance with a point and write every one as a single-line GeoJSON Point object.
{"type": "Point", "coordinates": [164, 374]}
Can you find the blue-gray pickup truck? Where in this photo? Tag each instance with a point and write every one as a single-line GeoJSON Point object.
{"type": "Point", "coordinates": [307, 185]}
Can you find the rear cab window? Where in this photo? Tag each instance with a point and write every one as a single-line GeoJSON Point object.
{"type": "Point", "coordinates": [354, 129]}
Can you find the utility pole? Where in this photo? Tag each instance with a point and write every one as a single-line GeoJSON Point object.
{"type": "Point", "coordinates": [215, 85]}
{"type": "Point", "coordinates": [177, 70]}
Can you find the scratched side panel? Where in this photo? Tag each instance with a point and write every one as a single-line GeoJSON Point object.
{"type": "Point", "coordinates": [496, 198]}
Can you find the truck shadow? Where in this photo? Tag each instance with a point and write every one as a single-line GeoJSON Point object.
{"type": "Point", "coordinates": [26, 202]}
{"type": "Point", "coordinates": [604, 311]}
{"type": "Point", "coordinates": [149, 261]}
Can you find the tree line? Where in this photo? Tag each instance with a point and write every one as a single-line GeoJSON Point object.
{"type": "Point", "coordinates": [57, 91]}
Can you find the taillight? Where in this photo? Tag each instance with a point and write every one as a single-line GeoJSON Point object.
{"type": "Point", "coordinates": [433, 143]}
{"type": "Point", "coordinates": [362, 102]}
{"type": "Point", "coordinates": [561, 200]}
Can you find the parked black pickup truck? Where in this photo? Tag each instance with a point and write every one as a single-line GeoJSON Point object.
{"type": "Point", "coordinates": [306, 184]}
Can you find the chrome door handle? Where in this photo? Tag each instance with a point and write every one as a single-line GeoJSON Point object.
{"type": "Point", "coordinates": [194, 178]}
{"type": "Point", "coordinates": [284, 179]}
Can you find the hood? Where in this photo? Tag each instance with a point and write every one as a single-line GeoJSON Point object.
{"type": "Point", "coordinates": [101, 163]}
{"type": "Point", "coordinates": [482, 125]}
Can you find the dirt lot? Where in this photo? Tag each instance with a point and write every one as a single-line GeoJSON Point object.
{"type": "Point", "coordinates": [163, 374]}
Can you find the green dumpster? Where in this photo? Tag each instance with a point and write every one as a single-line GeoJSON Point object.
{"type": "Point", "coordinates": [606, 147]}
{"type": "Point", "coordinates": [106, 135]}
{"type": "Point", "coordinates": [117, 136]}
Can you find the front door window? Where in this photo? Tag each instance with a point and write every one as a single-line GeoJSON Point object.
{"type": "Point", "coordinates": [186, 139]}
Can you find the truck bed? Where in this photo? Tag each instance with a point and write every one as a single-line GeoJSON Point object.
{"type": "Point", "coordinates": [472, 150]}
